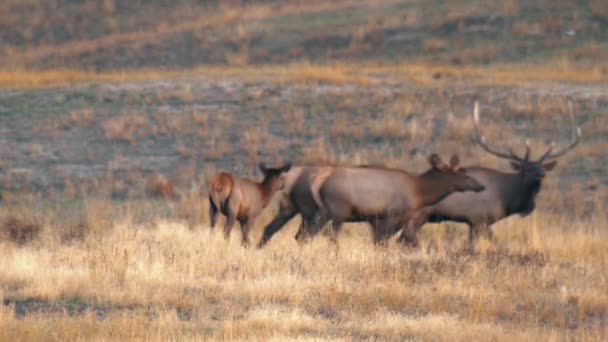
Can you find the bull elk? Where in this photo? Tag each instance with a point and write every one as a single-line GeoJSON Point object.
{"type": "Point", "coordinates": [243, 199]}
{"type": "Point", "coordinates": [505, 193]}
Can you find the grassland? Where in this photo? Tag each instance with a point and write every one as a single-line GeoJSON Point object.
{"type": "Point", "coordinates": [110, 126]}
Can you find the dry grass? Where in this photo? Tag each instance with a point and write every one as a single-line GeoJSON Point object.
{"type": "Point", "coordinates": [545, 279]}
{"type": "Point", "coordinates": [159, 186]}
{"type": "Point", "coordinates": [19, 231]}
{"type": "Point", "coordinates": [124, 128]}
{"type": "Point", "coordinates": [599, 11]}
{"type": "Point", "coordinates": [434, 45]}
{"type": "Point", "coordinates": [335, 74]}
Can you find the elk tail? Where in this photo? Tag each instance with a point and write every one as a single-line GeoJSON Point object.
{"type": "Point", "coordinates": [316, 182]}
{"type": "Point", "coordinates": [220, 189]}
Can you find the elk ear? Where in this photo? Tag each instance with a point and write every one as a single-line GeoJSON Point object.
{"type": "Point", "coordinates": [286, 168]}
{"type": "Point", "coordinates": [436, 162]}
{"type": "Point", "coordinates": [263, 168]}
{"type": "Point", "coordinates": [515, 165]}
{"type": "Point", "coordinates": [550, 165]}
{"type": "Point", "coordinates": [454, 161]}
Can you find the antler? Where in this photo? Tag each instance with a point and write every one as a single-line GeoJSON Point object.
{"type": "Point", "coordinates": [576, 135]}
{"type": "Point", "coordinates": [481, 140]}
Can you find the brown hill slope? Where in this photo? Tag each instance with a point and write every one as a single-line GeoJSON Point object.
{"type": "Point", "coordinates": [108, 34]}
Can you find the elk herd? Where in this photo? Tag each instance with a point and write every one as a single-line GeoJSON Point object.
{"type": "Point", "coordinates": [392, 201]}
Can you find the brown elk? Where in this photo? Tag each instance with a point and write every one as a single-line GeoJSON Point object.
{"type": "Point", "coordinates": [296, 198]}
{"type": "Point", "coordinates": [387, 198]}
{"type": "Point", "coordinates": [304, 184]}
{"type": "Point", "coordinates": [505, 193]}
{"type": "Point", "coordinates": [243, 199]}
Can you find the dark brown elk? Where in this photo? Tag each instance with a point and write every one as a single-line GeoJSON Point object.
{"type": "Point", "coordinates": [505, 193]}
{"type": "Point", "coordinates": [296, 198]}
{"type": "Point", "coordinates": [243, 199]}
{"type": "Point", "coordinates": [386, 198]}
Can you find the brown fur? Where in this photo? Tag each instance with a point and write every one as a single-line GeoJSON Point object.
{"type": "Point", "coordinates": [243, 199]}
{"type": "Point", "coordinates": [386, 198]}
{"type": "Point", "coordinates": [506, 193]}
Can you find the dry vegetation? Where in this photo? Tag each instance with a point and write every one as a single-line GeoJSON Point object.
{"type": "Point", "coordinates": [110, 126]}
{"type": "Point", "coordinates": [545, 279]}
{"type": "Point", "coordinates": [120, 248]}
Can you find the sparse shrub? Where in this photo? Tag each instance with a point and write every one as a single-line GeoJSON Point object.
{"type": "Point", "coordinates": [319, 151]}
{"type": "Point", "coordinates": [19, 231]}
{"type": "Point", "coordinates": [527, 29]}
{"type": "Point", "coordinates": [193, 208]}
{"type": "Point", "coordinates": [483, 54]}
{"type": "Point", "coordinates": [123, 128]}
{"type": "Point", "coordinates": [510, 8]}
{"type": "Point", "coordinates": [69, 189]}
{"type": "Point", "coordinates": [184, 150]}
{"type": "Point", "coordinates": [434, 45]}
{"type": "Point", "coordinates": [80, 118]}
{"type": "Point", "coordinates": [551, 24]}
{"type": "Point", "coordinates": [74, 232]}
{"type": "Point", "coordinates": [599, 11]}
{"type": "Point", "coordinates": [159, 186]}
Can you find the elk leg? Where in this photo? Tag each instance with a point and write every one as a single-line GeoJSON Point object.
{"type": "Point", "coordinates": [212, 213]}
{"type": "Point", "coordinates": [408, 238]}
{"type": "Point", "coordinates": [408, 233]}
{"type": "Point", "coordinates": [380, 231]}
{"type": "Point", "coordinates": [277, 223]}
{"type": "Point", "coordinates": [245, 226]}
{"type": "Point", "coordinates": [413, 223]}
{"type": "Point", "coordinates": [380, 238]}
{"type": "Point", "coordinates": [230, 220]}
{"type": "Point", "coordinates": [473, 232]}
{"type": "Point", "coordinates": [476, 230]}
{"type": "Point", "coordinates": [336, 226]}
{"type": "Point", "coordinates": [310, 227]}
{"type": "Point", "coordinates": [303, 233]}
{"type": "Point", "coordinates": [391, 226]}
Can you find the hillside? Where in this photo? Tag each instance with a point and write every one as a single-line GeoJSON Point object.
{"type": "Point", "coordinates": [108, 35]}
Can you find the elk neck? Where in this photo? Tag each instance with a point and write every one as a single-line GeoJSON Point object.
{"type": "Point", "coordinates": [266, 190]}
{"type": "Point", "coordinates": [520, 193]}
{"type": "Point", "coordinates": [432, 187]}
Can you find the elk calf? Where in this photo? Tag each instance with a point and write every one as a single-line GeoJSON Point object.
{"type": "Point", "coordinates": [243, 199]}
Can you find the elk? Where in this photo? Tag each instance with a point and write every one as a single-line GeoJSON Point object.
{"type": "Point", "coordinates": [386, 198]}
{"type": "Point", "coordinates": [243, 199]}
{"type": "Point", "coordinates": [296, 198]}
{"type": "Point", "coordinates": [304, 185]}
{"type": "Point", "coordinates": [505, 193]}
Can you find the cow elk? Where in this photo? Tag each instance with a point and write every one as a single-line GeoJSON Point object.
{"type": "Point", "coordinates": [243, 199]}
{"type": "Point", "coordinates": [505, 193]}
{"type": "Point", "coordinates": [296, 198]}
{"type": "Point", "coordinates": [386, 198]}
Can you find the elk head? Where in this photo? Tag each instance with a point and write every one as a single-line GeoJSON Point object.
{"type": "Point", "coordinates": [273, 177]}
{"type": "Point", "coordinates": [531, 171]}
{"type": "Point", "coordinates": [454, 174]}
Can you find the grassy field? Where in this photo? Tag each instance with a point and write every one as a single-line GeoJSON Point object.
{"type": "Point", "coordinates": [110, 125]}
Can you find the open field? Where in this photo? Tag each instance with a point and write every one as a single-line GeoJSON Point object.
{"type": "Point", "coordinates": [116, 261]}
{"type": "Point", "coordinates": [109, 128]}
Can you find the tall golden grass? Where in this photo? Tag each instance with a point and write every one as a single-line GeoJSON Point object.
{"type": "Point", "coordinates": [545, 278]}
